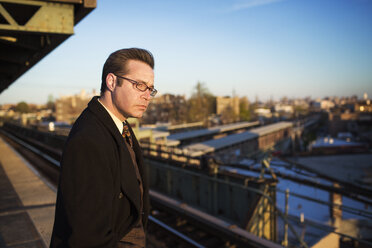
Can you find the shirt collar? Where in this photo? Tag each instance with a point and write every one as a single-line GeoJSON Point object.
{"type": "Point", "coordinates": [116, 120]}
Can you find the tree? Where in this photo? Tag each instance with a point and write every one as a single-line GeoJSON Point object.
{"type": "Point", "coordinates": [178, 110]}
{"type": "Point", "coordinates": [50, 104]}
{"type": "Point", "coordinates": [245, 113]}
{"type": "Point", "coordinates": [22, 107]}
{"type": "Point", "coordinates": [201, 104]}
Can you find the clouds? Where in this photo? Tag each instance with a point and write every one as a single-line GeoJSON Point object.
{"type": "Point", "coordinates": [247, 4]}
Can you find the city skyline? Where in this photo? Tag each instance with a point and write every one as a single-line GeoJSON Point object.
{"type": "Point", "coordinates": [267, 48]}
{"type": "Point", "coordinates": [283, 99]}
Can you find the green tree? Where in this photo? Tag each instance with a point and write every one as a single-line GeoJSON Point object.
{"type": "Point", "coordinates": [201, 104]}
{"type": "Point", "coordinates": [245, 113]}
{"type": "Point", "coordinates": [50, 103]}
{"type": "Point", "coordinates": [22, 107]}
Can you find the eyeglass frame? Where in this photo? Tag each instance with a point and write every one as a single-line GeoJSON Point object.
{"type": "Point", "coordinates": [153, 91]}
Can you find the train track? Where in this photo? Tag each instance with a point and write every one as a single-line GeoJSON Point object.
{"type": "Point", "coordinates": [168, 225]}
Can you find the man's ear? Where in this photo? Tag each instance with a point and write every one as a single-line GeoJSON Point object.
{"type": "Point", "coordinates": [110, 82]}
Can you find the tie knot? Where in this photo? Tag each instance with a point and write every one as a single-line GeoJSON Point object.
{"type": "Point", "coordinates": [126, 134]}
{"type": "Point", "coordinates": [126, 129]}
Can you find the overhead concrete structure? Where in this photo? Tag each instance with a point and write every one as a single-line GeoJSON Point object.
{"type": "Point", "coordinates": [29, 30]}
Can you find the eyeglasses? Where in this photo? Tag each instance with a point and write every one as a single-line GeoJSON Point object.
{"type": "Point", "coordinates": [140, 86]}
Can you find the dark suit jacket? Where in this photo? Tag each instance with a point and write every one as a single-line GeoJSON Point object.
{"type": "Point", "coordinates": [98, 197]}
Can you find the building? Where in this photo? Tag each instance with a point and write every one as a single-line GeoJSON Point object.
{"type": "Point", "coordinates": [323, 104]}
{"type": "Point", "coordinates": [263, 112]}
{"type": "Point", "coordinates": [284, 108]}
{"type": "Point", "coordinates": [329, 145]}
{"type": "Point", "coordinates": [166, 108]}
{"type": "Point", "coordinates": [227, 103]}
{"type": "Point", "coordinates": [68, 108]}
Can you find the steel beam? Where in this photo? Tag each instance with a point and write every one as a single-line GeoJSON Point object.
{"type": "Point", "coordinates": [29, 30]}
{"type": "Point", "coordinates": [37, 16]}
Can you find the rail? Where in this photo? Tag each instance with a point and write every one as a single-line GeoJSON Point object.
{"type": "Point", "coordinates": [175, 232]}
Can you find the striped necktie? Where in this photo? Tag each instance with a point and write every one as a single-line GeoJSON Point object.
{"type": "Point", "coordinates": [126, 134]}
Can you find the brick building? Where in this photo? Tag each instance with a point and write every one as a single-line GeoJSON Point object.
{"type": "Point", "coordinates": [68, 108]}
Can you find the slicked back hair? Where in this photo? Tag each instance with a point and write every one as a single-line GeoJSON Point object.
{"type": "Point", "coordinates": [117, 62]}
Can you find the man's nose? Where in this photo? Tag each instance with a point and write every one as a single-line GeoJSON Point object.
{"type": "Point", "coordinates": [147, 95]}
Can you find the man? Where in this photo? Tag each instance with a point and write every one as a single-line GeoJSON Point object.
{"type": "Point", "coordinates": [102, 198]}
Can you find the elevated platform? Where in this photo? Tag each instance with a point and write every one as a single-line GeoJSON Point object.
{"type": "Point", "coordinates": [26, 202]}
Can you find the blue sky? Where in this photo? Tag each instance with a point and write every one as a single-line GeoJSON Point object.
{"type": "Point", "coordinates": [264, 48]}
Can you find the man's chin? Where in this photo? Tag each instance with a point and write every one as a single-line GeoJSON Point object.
{"type": "Point", "coordinates": [137, 115]}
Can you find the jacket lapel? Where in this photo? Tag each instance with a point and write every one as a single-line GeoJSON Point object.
{"type": "Point", "coordinates": [128, 182]}
{"type": "Point", "coordinates": [140, 163]}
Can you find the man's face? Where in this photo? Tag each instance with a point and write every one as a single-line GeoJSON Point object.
{"type": "Point", "coordinates": [127, 100]}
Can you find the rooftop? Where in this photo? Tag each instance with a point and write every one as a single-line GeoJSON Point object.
{"type": "Point", "coordinates": [208, 146]}
{"type": "Point", "coordinates": [212, 130]}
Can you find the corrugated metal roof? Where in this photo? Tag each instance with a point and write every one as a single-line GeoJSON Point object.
{"type": "Point", "coordinates": [233, 126]}
{"type": "Point", "coordinates": [210, 131]}
{"type": "Point", "coordinates": [271, 128]}
{"type": "Point", "coordinates": [191, 134]}
{"type": "Point", "coordinates": [216, 144]}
